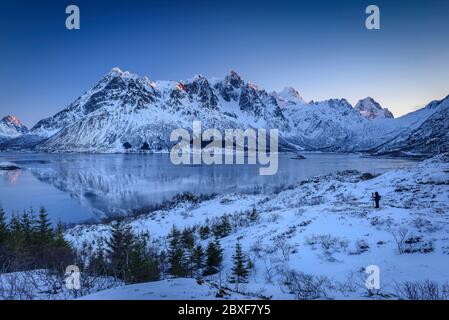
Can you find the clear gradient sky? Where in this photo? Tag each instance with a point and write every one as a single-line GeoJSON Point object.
{"type": "Point", "coordinates": [319, 47]}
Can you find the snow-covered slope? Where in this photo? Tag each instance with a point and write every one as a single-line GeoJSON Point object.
{"type": "Point", "coordinates": [425, 131]}
{"type": "Point", "coordinates": [371, 109]}
{"type": "Point", "coordinates": [11, 127]}
{"type": "Point", "coordinates": [173, 289]}
{"type": "Point", "coordinates": [124, 109]}
{"type": "Point", "coordinates": [330, 125]}
{"type": "Point", "coordinates": [323, 227]}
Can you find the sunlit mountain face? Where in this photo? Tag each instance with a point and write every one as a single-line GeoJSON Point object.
{"type": "Point", "coordinates": [11, 127]}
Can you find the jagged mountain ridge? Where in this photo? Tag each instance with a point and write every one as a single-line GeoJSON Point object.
{"type": "Point", "coordinates": [123, 108]}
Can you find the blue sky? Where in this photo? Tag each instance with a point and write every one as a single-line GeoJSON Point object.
{"type": "Point", "coordinates": [319, 47]}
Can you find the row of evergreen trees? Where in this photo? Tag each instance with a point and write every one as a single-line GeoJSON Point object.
{"type": "Point", "coordinates": [128, 257]}
{"type": "Point", "coordinates": [188, 259]}
{"type": "Point", "coordinates": [125, 256]}
{"type": "Point", "coordinates": [29, 242]}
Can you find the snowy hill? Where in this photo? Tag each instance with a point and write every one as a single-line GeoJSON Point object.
{"type": "Point", "coordinates": [323, 231]}
{"type": "Point", "coordinates": [371, 109]}
{"type": "Point", "coordinates": [174, 289]}
{"type": "Point", "coordinates": [124, 112]}
{"type": "Point", "coordinates": [11, 127]}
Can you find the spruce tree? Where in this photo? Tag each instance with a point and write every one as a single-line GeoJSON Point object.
{"type": "Point", "coordinates": [240, 271]}
{"type": "Point", "coordinates": [119, 248]}
{"type": "Point", "coordinates": [97, 263]}
{"type": "Point", "coordinates": [214, 257]}
{"type": "Point", "coordinates": [204, 232]}
{"type": "Point", "coordinates": [27, 225]}
{"type": "Point", "coordinates": [5, 254]}
{"type": "Point", "coordinates": [223, 227]}
{"type": "Point", "coordinates": [4, 232]}
{"type": "Point", "coordinates": [198, 258]}
{"type": "Point", "coordinates": [176, 254]}
{"type": "Point", "coordinates": [188, 243]}
{"type": "Point", "coordinates": [59, 240]}
{"type": "Point", "coordinates": [44, 232]}
{"type": "Point", "coordinates": [61, 253]}
{"type": "Point", "coordinates": [188, 239]}
{"type": "Point", "coordinates": [16, 237]}
{"type": "Point", "coordinates": [143, 266]}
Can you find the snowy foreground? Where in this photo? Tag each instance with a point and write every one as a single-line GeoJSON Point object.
{"type": "Point", "coordinates": [321, 234]}
{"type": "Point", "coordinates": [174, 289]}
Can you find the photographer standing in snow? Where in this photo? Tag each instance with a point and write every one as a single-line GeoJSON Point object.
{"type": "Point", "coordinates": [376, 198]}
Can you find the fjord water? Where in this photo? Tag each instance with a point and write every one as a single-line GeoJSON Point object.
{"type": "Point", "coordinates": [81, 187]}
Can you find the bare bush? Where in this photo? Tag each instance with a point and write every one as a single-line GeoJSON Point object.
{"type": "Point", "coordinates": [427, 290]}
{"type": "Point", "coordinates": [49, 285]}
{"type": "Point", "coordinates": [270, 271]}
{"type": "Point", "coordinates": [305, 286]}
{"type": "Point", "coordinates": [399, 236]}
{"type": "Point", "coordinates": [14, 287]}
{"type": "Point", "coordinates": [350, 285]}
{"type": "Point", "coordinates": [361, 246]}
{"type": "Point", "coordinates": [328, 244]}
{"type": "Point", "coordinates": [257, 249]}
{"type": "Point", "coordinates": [283, 247]}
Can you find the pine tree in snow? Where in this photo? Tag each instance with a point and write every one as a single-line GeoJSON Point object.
{"type": "Point", "coordinates": [120, 245]}
{"type": "Point", "coordinates": [240, 270]}
{"type": "Point", "coordinates": [214, 257]}
{"type": "Point", "coordinates": [176, 254]}
{"type": "Point", "coordinates": [4, 232]}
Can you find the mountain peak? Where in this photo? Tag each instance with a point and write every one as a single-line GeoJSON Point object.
{"type": "Point", "coordinates": [12, 120]}
{"type": "Point", "coordinates": [290, 95]}
{"type": "Point", "coordinates": [117, 72]}
{"type": "Point", "coordinates": [233, 74]}
{"type": "Point", "coordinates": [11, 127]}
{"type": "Point", "coordinates": [371, 109]}
{"type": "Point", "coordinates": [234, 79]}
{"type": "Point", "coordinates": [199, 77]}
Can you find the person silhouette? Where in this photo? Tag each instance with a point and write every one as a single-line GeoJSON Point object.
{"type": "Point", "coordinates": [376, 198]}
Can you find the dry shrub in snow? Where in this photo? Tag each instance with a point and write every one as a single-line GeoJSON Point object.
{"type": "Point", "coordinates": [361, 246]}
{"type": "Point", "coordinates": [328, 244]}
{"type": "Point", "coordinates": [305, 286]}
{"type": "Point", "coordinates": [427, 290]}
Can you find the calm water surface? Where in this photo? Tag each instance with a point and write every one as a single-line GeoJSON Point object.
{"type": "Point", "coordinates": [79, 187]}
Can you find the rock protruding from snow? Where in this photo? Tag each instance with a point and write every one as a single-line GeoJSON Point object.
{"type": "Point", "coordinates": [11, 127]}
{"type": "Point", "coordinates": [371, 109]}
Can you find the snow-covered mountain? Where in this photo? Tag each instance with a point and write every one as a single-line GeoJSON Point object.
{"type": "Point", "coordinates": [125, 108]}
{"type": "Point", "coordinates": [429, 135]}
{"type": "Point", "coordinates": [11, 127]}
{"type": "Point", "coordinates": [371, 109]}
{"type": "Point", "coordinates": [124, 112]}
{"type": "Point", "coordinates": [288, 96]}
